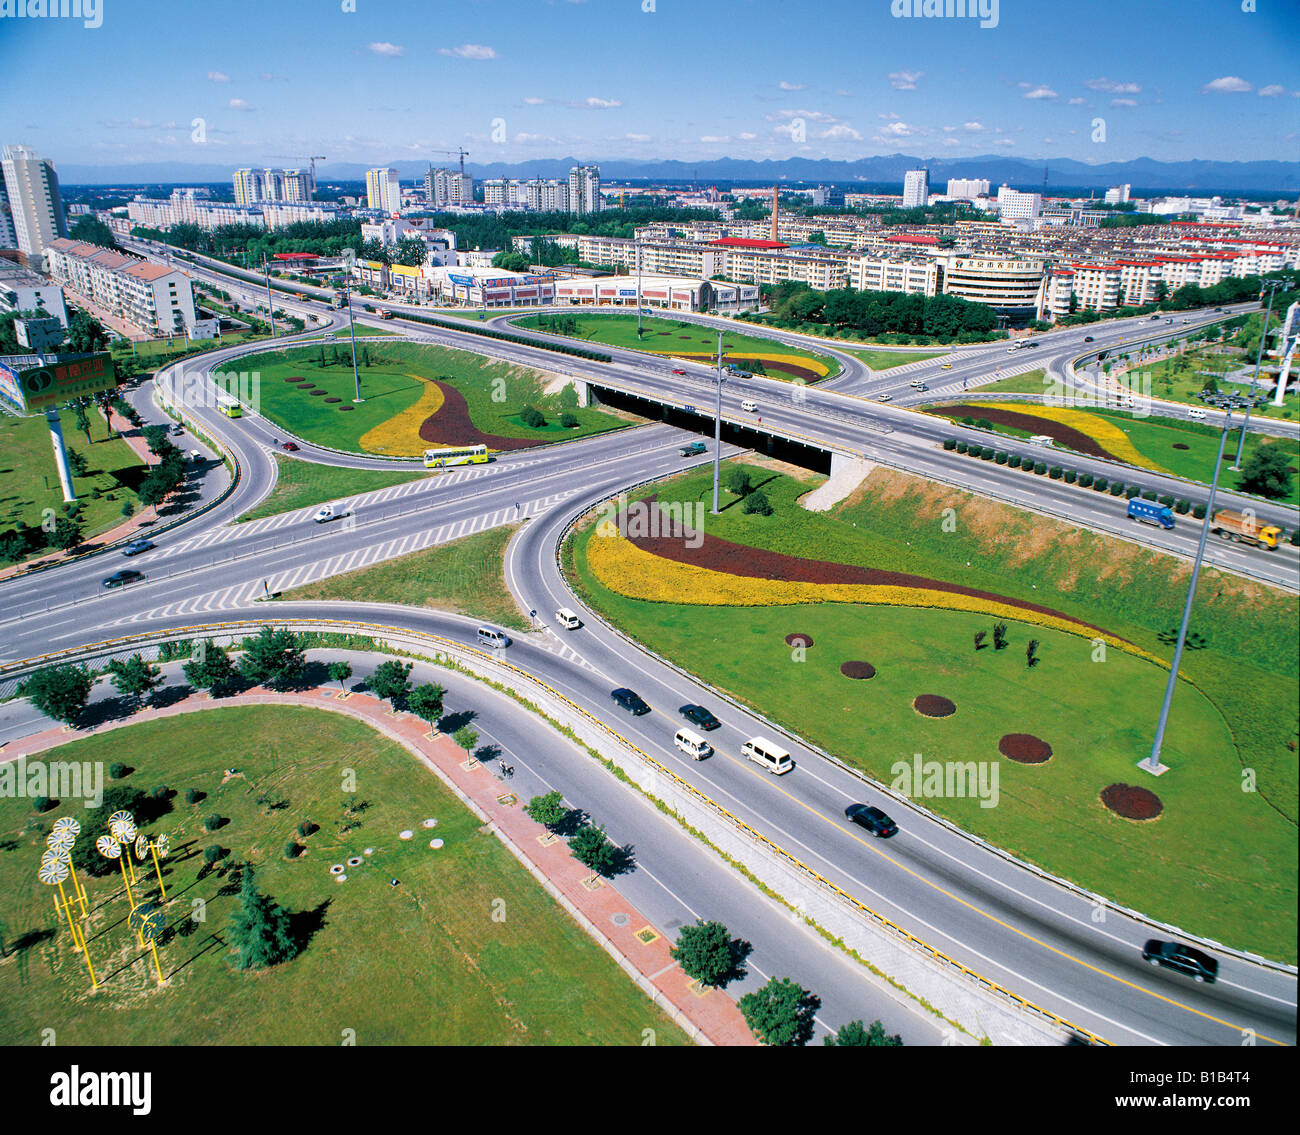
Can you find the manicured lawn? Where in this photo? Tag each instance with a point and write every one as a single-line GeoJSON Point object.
{"type": "Point", "coordinates": [393, 383]}
{"type": "Point", "coordinates": [302, 483]}
{"type": "Point", "coordinates": [1239, 712]}
{"type": "Point", "coordinates": [363, 331]}
{"type": "Point", "coordinates": [887, 360]}
{"type": "Point", "coordinates": [669, 336]}
{"type": "Point", "coordinates": [465, 576]}
{"type": "Point", "coordinates": [1180, 379]}
{"type": "Point", "coordinates": [1031, 382]}
{"type": "Point", "coordinates": [29, 479]}
{"type": "Point", "coordinates": [421, 963]}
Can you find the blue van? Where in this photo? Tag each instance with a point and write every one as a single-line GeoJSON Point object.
{"type": "Point", "coordinates": [1151, 512]}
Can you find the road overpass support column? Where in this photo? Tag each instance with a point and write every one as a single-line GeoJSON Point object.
{"type": "Point", "coordinates": [840, 461]}
{"type": "Point", "coordinates": [585, 396]}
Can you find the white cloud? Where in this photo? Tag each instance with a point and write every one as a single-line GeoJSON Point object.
{"type": "Point", "coordinates": [840, 133]}
{"type": "Point", "coordinates": [807, 115]}
{"type": "Point", "coordinates": [1227, 85]}
{"type": "Point", "coordinates": [952, 141]}
{"type": "Point", "coordinates": [637, 137]}
{"type": "Point", "coordinates": [239, 104]}
{"type": "Point", "coordinates": [1123, 102]}
{"type": "Point", "coordinates": [904, 80]}
{"type": "Point", "coordinates": [388, 50]}
{"type": "Point", "coordinates": [602, 104]}
{"type": "Point", "coordinates": [1004, 142]}
{"type": "Point", "coordinates": [546, 138]}
{"type": "Point", "coordinates": [974, 127]}
{"type": "Point", "coordinates": [1078, 102]}
{"type": "Point", "coordinates": [469, 51]}
{"type": "Point", "coordinates": [533, 100]}
{"type": "Point", "coordinates": [1272, 91]}
{"type": "Point", "coordinates": [845, 94]}
{"type": "Point", "coordinates": [1111, 87]}
{"type": "Point", "coordinates": [895, 130]}
{"type": "Point", "coordinates": [218, 77]}
{"type": "Point", "coordinates": [1041, 93]}
{"type": "Point", "coordinates": [783, 85]}
{"type": "Point", "coordinates": [746, 137]}
{"type": "Point", "coordinates": [890, 117]}
{"type": "Point", "coordinates": [714, 138]}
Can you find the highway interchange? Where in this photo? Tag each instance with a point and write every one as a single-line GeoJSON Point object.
{"type": "Point", "coordinates": [994, 915]}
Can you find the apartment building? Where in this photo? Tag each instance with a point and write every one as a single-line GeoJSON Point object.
{"type": "Point", "coordinates": [1016, 206]}
{"type": "Point", "coordinates": [444, 187]}
{"type": "Point", "coordinates": [383, 190]}
{"type": "Point", "coordinates": [21, 289]}
{"type": "Point", "coordinates": [1012, 287]}
{"type": "Point", "coordinates": [916, 188]}
{"type": "Point", "coordinates": [584, 189]}
{"type": "Point", "coordinates": [916, 275]}
{"type": "Point", "coordinates": [35, 210]}
{"type": "Point", "coordinates": [156, 298]}
{"type": "Point", "coordinates": [184, 207]}
{"type": "Point", "coordinates": [254, 186]}
{"type": "Point", "coordinates": [968, 188]}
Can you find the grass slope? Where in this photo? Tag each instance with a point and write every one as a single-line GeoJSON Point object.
{"type": "Point", "coordinates": [302, 483]}
{"type": "Point", "coordinates": [421, 963]}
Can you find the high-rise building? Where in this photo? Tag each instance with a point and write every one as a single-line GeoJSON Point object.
{"type": "Point", "coordinates": [287, 186]}
{"type": "Point", "coordinates": [970, 187]}
{"type": "Point", "coordinates": [1118, 195]}
{"type": "Point", "coordinates": [1016, 206]}
{"type": "Point", "coordinates": [584, 189]}
{"type": "Point", "coordinates": [916, 188]}
{"type": "Point", "coordinates": [448, 187]}
{"type": "Point", "coordinates": [8, 239]}
{"type": "Point", "coordinates": [383, 190]}
{"type": "Point", "coordinates": [35, 208]}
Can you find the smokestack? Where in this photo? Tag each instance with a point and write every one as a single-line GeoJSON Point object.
{"type": "Point", "coordinates": [774, 212]}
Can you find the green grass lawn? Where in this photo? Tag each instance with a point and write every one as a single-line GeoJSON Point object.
{"type": "Point", "coordinates": [673, 336]}
{"type": "Point", "coordinates": [29, 479]}
{"type": "Point", "coordinates": [1239, 712]}
{"type": "Point", "coordinates": [363, 331]}
{"type": "Point", "coordinates": [302, 483]}
{"type": "Point", "coordinates": [392, 383]}
{"type": "Point", "coordinates": [887, 360]}
{"type": "Point", "coordinates": [1031, 382]}
{"type": "Point", "coordinates": [422, 963]}
{"type": "Point", "coordinates": [465, 576]}
{"type": "Point", "coordinates": [1179, 379]}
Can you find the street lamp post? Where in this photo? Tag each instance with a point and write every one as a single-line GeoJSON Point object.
{"type": "Point", "coordinates": [717, 428]}
{"type": "Point", "coordinates": [270, 305]}
{"type": "Point", "coordinates": [1152, 764]}
{"type": "Point", "coordinates": [352, 327]}
{"type": "Point", "coordinates": [1272, 286]}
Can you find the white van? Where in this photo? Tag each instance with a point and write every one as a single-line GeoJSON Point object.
{"type": "Point", "coordinates": [693, 745]}
{"type": "Point", "coordinates": [749, 406]}
{"type": "Point", "coordinates": [768, 754]}
{"type": "Point", "coordinates": [490, 636]}
{"type": "Point", "coordinates": [1196, 412]}
{"type": "Point", "coordinates": [567, 618]}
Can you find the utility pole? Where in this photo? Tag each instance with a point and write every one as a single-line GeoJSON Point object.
{"type": "Point", "coordinates": [638, 291]}
{"type": "Point", "coordinates": [352, 327]}
{"type": "Point", "coordinates": [1272, 286]}
{"type": "Point", "coordinates": [1152, 764]}
{"type": "Point", "coordinates": [270, 305]}
{"type": "Point", "coordinates": [717, 429]}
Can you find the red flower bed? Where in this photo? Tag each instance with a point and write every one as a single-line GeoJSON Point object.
{"type": "Point", "coordinates": [331, 401]}
{"type": "Point", "coordinates": [317, 393]}
{"type": "Point", "coordinates": [347, 407]}
{"type": "Point", "coordinates": [932, 705]}
{"type": "Point", "coordinates": [450, 425]}
{"type": "Point", "coordinates": [760, 563]}
{"type": "Point", "coordinates": [798, 640]}
{"type": "Point", "coordinates": [858, 670]}
{"type": "Point", "coordinates": [1069, 437]}
{"type": "Point", "coordinates": [1132, 802]}
{"type": "Point", "coordinates": [1025, 748]}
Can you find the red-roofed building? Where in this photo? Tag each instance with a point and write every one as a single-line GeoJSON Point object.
{"type": "Point", "coordinates": [746, 242]}
{"type": "Point", "coordinates": [154, 297]}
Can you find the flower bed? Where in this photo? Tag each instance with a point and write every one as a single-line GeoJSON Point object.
{"type": "Point", "coordinates": [932, 705]}
{"type": "Point", "coordinates": [1131, 802]}
{"type": "Point", "coordinates": [799, 640]}
{"type": "Point", "coordinates": [857, 670]}
{"type": "Point", "coordinates": [1025, 748]}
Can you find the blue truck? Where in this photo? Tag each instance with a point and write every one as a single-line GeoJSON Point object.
{"type": "Point", "coordinates": [1150, 512]}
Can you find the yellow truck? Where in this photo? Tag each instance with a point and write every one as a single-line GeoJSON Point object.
{"type": "Point", "coordinates": [1245, 528]}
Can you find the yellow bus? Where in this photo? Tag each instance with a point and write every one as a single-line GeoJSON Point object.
{"type": "Point", "coordinates": [464, 455]}
{"type": "Point", "coordinates": [229, 407]}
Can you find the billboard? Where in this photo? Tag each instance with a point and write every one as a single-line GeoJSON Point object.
{"type": "Point", "coordinates": [57, 380]}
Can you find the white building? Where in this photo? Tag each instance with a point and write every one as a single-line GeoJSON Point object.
{"type": "Point", "coordinates": [36, 212]}
{"type": "Point", "coordinates": [963, 188]}
{"type": "Point", "coordinates": [254, 186]}
{"type": "Point", "coordinates": [916, 188]}
{"type": "Point", "coordinates": [154, 297]}
{"type": "Point", "coordinates": [891, 274]}
{"type": "Point", "coordinates": [673, 293]}
{"type": "Point", "coordinates": [1016, 206]}
{"type": "Point", "coordinates": [448, 187]}
{"type": "Point", "coordinates": [1118, 195]}
{"type": "Point", "coordinates": [439, 244]}
{"type": "Point", "coordinates": [584, 189]}
{"type": "Point", "coordinates": [8, 238]}
{"type": "Point", "coordinates": [21, 289]}
{"type": "Point", "coordinates": [383, 190]}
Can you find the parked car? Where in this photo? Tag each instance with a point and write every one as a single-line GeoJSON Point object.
{"type": "Point", "coordinates": [121, 578]}
{"type": "Point", "coordinates": [177, 429]}
{"type": "Point", "coordinates": [135, 547]}
{"type": "Point", "coordinates": [290, 447]}
{"type": "Point", "coordinates": [1184, 959]}
{"type": "Point", "coordinates": [630, 701]}
{"type": "Point", "coordinates": [698, 715]}
{"type": "Point", "coordinates": [873, 819]}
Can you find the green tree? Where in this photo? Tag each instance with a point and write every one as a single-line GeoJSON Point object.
{"type": "Point", "coordinates": [60, 692]}
{"type": "Point", "coordinates": [85, 333]}
{"type": "Point", "coordinates": [705, 952]}
{"type": "Point", "coordinates": [855, 1034]}
{"type": "Point", "coordinates": [82, 419]}
{"type": "Point", "coordinates": [260, 930]}
{"type": "Point", "coordinates": [93, 231]}
{"type": "Point", "coordinates": [134, 678]}
{"type": "Point", "coordinates": [274, 658]}
{"type": "Point", "coordinates": [66, 534]}
{"type": "Point", "coordinates": [548, 810]}
{"type": "Point", "coordinates": [425, 701]}
{"type": "Point", "coordinates": [781, 1013]}
{"type": "Point", "coordinates": [340, 672]}
{"type": "Point", "coordinates": [466, 738]}
{"type": "Point", "coordinates": [77, 463]}
{"type": "Point", "coordinates": [738, 481]}
{"type": "Point", "coordinates": [391, 681]}
{"type": "Point", "coordinates": [1267, 472]}
{"type": "Point", "coordinates": [592, 849]}
{"type": "Point", "coordinates": [511, 261]}
{"type": "Point", "coordinates": [757, 504]}
{"type": "Point", "coordinates": [532, 417]}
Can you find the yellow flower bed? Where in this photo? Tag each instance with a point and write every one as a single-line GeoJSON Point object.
{"type": "Point", "coordinates": [400, 435]}
{"type": "Point", "coordinates": [1103, 432]}
{"type": "Point", "coordinates": [637, 574]}
{"type": "Point", "coordinates": [767, 357]}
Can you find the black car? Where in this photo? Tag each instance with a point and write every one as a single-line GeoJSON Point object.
{"type": "Point", "coordinates": [135, 547]}
{"type": "Point", "coordinates": [1184, 959]}
{"type": "Point", "coordinates": [629, 700]}
{"type": "Point", "coordinates": [698, 715]}
{"type": "Point", "coordinates": [123, 577]}
{"type": "Point", "coordinates": [873, 819]}
{"type": "Point", "coordinates": [1087, 338]}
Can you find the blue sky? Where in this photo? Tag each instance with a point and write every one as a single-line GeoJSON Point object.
{"type": "Point", "coordinates": [396, 80]}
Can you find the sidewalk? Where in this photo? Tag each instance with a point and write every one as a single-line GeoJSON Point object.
{"type": "Point", "coordinates": [595, 904]}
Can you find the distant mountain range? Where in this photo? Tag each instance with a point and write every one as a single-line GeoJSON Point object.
{"type": "Point", "coordinates": [1147, 174]}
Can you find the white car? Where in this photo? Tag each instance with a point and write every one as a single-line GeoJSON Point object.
{"type": "Point", "coordinates": [567, 618]}
{"type": "Point", "coordinates": [324, 514]}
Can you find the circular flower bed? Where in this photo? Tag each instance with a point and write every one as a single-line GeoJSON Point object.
{"type": "Point", "coordinates": [1025, 748]}
{"type": "Point", "coordinates": [299, 378]}
{"type": "Point", "coordinates": [317, 393]}
{"type": "Point", "coordinates": [858, 670]}
{"type": "Point", "coordinates": [347, 407]}
{"type": "Point", "coordinates": [932, 705]}
{"type": "Point", "coordinates": [307, 386]}
{"type": "Point", "coordinates": [1132, 802]}
{"type": "Point", "coordinates": [1179, 445]}
{"type": "Point", "coordinates": [798, 640]}
{"type": "Point", "coordinates": [333, 400]}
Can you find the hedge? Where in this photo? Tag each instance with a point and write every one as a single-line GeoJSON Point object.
{"type": "Point", "coordinates": [1040, 468]}
{"type": "Point", "coordinates": [962, 447]}
{"type": "Point", "coordinates": [950, 443]}
{"type": "Point", "coordinates": [1085, 480]}
{"type": "Point", "coordinates": [1055, 472]}
{"type": "Point", "coordinates": [1116, 488]}
{"type": "Point", "coordinates": [1071, 476]}
{"type": "Point", "coordinates": [1131, 491]}
{"type": "Point", "coordinates": [1014, 461]}
{"type": "Point", "coordinates": [1167, 499]}
{"type": "Point", "coordinates": [1000, 457]}
{"type": "Point", "coordinates": [1182, 507]}
{"type": "Point", "coordinates": [1148, 494]}
{"type": "Point", "coordinates": [509, 337]}
{"type": "Point", "coordinates": [1199, 512]}
{"type": "Point", "coordinates": [1101, 484]}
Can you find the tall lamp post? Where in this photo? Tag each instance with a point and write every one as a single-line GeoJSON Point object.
{"type": "Point", "coordinates": [1272, 287]}
{"type": "Point", "coordinates": [717, 428]}
{"type": "Point", "coordinates": [347, 297]}
{"type": "Point", "coordinates": [270, 304]}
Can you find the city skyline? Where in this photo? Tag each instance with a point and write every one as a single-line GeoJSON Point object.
{"type": "Point", "coordinates": [751, 80]}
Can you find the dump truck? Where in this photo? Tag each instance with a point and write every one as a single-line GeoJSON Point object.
{"type": "Point", "coordinates": [1245, 528]}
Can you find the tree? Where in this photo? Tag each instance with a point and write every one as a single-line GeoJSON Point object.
{"type": "Point", "coordinates": [1267, 472]}
{"type": "Point", "coordinates": [273, 658]}
{"type": "Point", "coordinates": [856, 1035]}
{"type": "Point", "coordinates": [340, 672]}
{"type": "Point", "coordinates": [591, 848]}
{"type": "Point", "coordinates": [85, 333]}
{"type": "Point", "coordinates": [511, 261]}
{"type": "Point", "coordinates": [82, 419]}
{"type": "Point", "coordinates": [999, 636]}
{"type": "Point", "coordinates": [77, 462]}
{"type": "Point", "coordinates": [134, 678]}
{"type": "Point", "coordinates": [781, 1013]}
{"type": "Point", "coordinates": [66, 534]}
{"type": "Point", "coordinates": [391, 681]}
{"type": "Point", "coordinates": [153, 491]}
{"type": "Point", "coordinates": [425, 701]}
{"type": "Point", "coordinates": [738, 482]}
{"type": "Point", "coordinates": [260, 930]}
{"type": "Point", "coordinates": [532, 417]}
{"type": "Point", "coordinates": [60, 692]}
{"type": "Point", "coordinates": [568, 419]}
{"type": "Point", "coordinates": [757, 504]}
{"type": "Point", "coordinates": [705, 952]}
{"type": "Point", "coordinates": [548, 810]}
{"type": "Point", "coordinates": [1031, 652]}
{"type": "Point", "coordinates": [466, 738]}
{"type": "Point", "coordinates": [93, 231]}
{"type": "Point", "coordinates": [980, 636]}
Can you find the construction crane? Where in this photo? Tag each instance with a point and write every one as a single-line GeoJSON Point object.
{"type": "Point", "coordinates": [313, 158]}
{"type": "Point", "coordinates": [463, 155]}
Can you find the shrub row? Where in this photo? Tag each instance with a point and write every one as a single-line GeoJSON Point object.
{"type": "Point", "coordinates": [510, 337]}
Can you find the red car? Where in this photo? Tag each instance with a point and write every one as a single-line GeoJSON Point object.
{"type": "Point", "coordinates": [678, 371]}
{"type": "Point", "coordinates": [290, 447]}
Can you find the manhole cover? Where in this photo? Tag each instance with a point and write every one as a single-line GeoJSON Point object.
{"type": "Point", "coordinates": [429, 823]}
{"type": "Point", "coordinates": [620, 919]}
